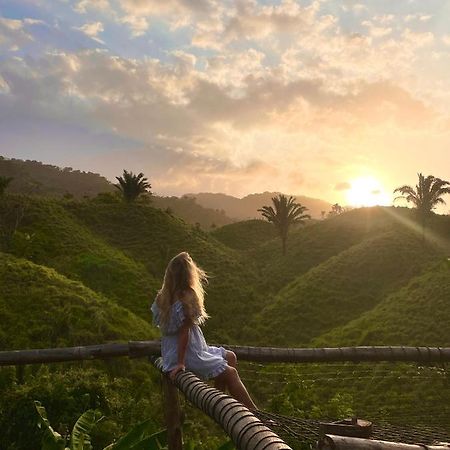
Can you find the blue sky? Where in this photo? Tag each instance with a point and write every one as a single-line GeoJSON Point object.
{"type": "Point", "coordinates": [234, 96]}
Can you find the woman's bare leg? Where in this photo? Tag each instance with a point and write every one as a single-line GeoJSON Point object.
{"type": "Point", "coordinates": [220, 382]}
{"type": "Point", "coordinates": [232, 381]}
{"type": "Point", "coordinates": [231, 358]}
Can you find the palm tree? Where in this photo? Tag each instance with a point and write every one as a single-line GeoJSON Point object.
{"type": "Point", "coordinates": [425, 196]}
{"type": "Point", "coordinates": [4, 182]}
{"type": "Point", "coordinates": [284, 213]}
{"type": "Point", "coordinates": [336, 209]}
{"type": "Point", "coordinates": [132, 185]}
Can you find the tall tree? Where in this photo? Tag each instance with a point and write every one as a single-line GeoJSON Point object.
{"type": "Point", "coordinates": [4, 182]}
{"type": "Point", "coordinates": [132, 186]}
{"type": "Point", "coordinates": [284, 213]}
{"type": "Point", "coordinates": [336, 209]}
{"type": "Point", "coordinates": [425, 196]}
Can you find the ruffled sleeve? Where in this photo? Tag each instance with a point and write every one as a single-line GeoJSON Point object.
{"type": "Point", "coordinates": [155, 314]}
{"type": "Point", "coordinates": [176, 318]}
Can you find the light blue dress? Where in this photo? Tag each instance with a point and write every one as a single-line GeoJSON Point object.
{"type": "Point", "coordinates": [203, 360]}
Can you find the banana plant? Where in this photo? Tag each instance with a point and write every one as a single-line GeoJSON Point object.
{"type": "Point", "coordinates": [80, 438]}
{"type": "Point", "coordinates": [140, 437]}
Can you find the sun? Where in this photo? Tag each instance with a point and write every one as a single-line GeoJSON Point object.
{"type": "Point", "coordinates": [367, 191]}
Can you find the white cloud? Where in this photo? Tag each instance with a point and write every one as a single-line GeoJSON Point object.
{"type": "Point", "coordinates": [417, 17]}
{"type": "Point", "coordinates": [83, 6]}
{"type": "Point", "coordinates": [92, 30]}
{"type": "Point", "coordinates": [13, 33]}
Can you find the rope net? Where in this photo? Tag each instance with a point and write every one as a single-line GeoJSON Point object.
{"type": "Point", "coordinates": [406, 402]}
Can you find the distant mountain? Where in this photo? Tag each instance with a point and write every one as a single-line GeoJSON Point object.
{"type": "Point", "coordinates": [190, 211]}
{"type": "Point", "coordinates": [37, 178]}
{"type": "Point", "coordinates": [247, 207]}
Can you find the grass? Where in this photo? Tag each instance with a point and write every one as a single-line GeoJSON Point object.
{"type": "Point", "coordinates": [417, 314]}
{"type": "Point", "coordinates": [245, 235]}
{"type": "Point", "coordinates": [84, 272]}
{"type": "Point", "coordinates": [342, 288]}
{"type": "Point", "coordinates": [42, 308]}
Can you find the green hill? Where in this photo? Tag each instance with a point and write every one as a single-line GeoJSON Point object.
{"type": "Point", "coordinates": [417, 314]}
{"type": "Point", "coordinates": [152, 237]}
{"type": "Point", "coordinates": [41, 308]}
{"type": "Point", "coordinates": [46, 180]}
{"type": "Point", "coordinates": [191, 212]}
{"type": "Point", "coordinates": [34, 177]}
{"type": "Point", "coordinates": [309, 246]}
{"type": "Point", "coordinates": [245, 235]}
{"type": "Point", "coordinates": [51, 235]}
{"type": "Point", "coordinates": [342, 288]}
{"type": "Point", "coordinates": [81, 271]}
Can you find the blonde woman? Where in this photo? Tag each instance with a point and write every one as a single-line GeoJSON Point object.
{"type": "Point", "coordinates": [178, 311]}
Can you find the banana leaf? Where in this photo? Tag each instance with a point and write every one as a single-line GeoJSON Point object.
{"type": "Point", "coordinates": [142, 434]}
{"type": "Point", "coordinates": [51, 440]}
{"type": "Point", "coordinates": [80, 438]}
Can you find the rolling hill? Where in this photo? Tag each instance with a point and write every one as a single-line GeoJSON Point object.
{"type": "Point", "coordinates": [50, 235]}
{"type": "Point", "coordinates": [41, 308]}
{"type": "Point", "coordinates": [342, 288]}
{"type": "Point", "coordinates": [417, 314]}
{"type": "Point", "coordinates": [245, 235]}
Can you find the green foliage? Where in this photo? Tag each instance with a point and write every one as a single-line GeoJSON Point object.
{"type": "Point", "coordinates": [316, 243]}
{"type": "Point", "coordinates": [342, 288]}
{"type": "Point", "coordinates": [50, 235]}
{"type": "Point", "coordinates": [123, 390]}
{"type": "Point", "coordinates": [191, 212]}
{"type": "Point", "coordinates": [246, 235]}
{"type": "Point", "coordinates": [51, 439]}
{"type": "Point", "coordinates": [36, 178]}
{"type": "Point", "coordinates": [151, 237]}
{"type": "Point", "coordinates": [426, 195]}
{"type": "Point", "coordinates": [417, 314]}
{"type": "Point", "coordinates": [4, 183]}
{"type": "Point", "coordinates": [80, 437]}
{"type": "Point", "coordinates": [82, 271]}
{"type": "Point", "coordinates": [140, 437]}
{"type": "Point", "coordinates": [132, 186]}
{"type": "Point", "coordinates": [284, 213]}
{"type": "Point", "coordinates": [41, 308]}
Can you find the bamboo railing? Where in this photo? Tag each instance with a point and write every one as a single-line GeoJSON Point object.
{"type": "Point", "coordinates": [136, 349]}
{"type": "Point", "coordinates": [244, 428]}
{"type": "Point", "coordinates": [241, 425]}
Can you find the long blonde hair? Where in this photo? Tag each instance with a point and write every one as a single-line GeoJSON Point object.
{"type": "Point", "coordinates": [183, 279]}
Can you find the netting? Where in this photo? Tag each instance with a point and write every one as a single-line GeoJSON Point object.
{"type": "Point", "coordinates": [408, 403]}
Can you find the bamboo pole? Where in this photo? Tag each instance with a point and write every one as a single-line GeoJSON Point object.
{"type": "Point", "coordinates": [138, 349]}
{"type": "Point", "coordinates": [331, 442]}
{"type": "Point", "coordinates": [241, 425]}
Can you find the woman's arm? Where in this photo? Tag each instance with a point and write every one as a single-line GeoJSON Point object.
{"type": "Point", "coordinates": [183, 339]}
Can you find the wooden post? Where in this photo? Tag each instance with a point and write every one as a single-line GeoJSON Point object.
{"type": "Point", "coordinates": [172, 413]}
{"type": "Point", "coordinates": [330, 442]}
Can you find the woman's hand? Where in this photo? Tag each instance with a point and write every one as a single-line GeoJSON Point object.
{"type": "Point", "coordinates": [178, 368]}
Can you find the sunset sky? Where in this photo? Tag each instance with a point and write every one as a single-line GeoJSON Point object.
{"type": "Point", "coordinates": [303, 97]}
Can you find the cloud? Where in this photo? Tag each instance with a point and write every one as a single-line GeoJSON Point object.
{"type": "Point", "coordinates": [342, 186]}
{"type": "Point", "coordinates": [83, 6]}
{"type": "Point", "coordinates": [13, 33]}
{"type": "Point", "coordinates": [137, 14]}
{"type": "Point", "coordinates": [418, 17]}
{"type": "Point", "coordinates": [377, 31]}
{"type": "Point", "coordinates": [233, 91]}
{"type": "Point", "coordinates": [92, 30]}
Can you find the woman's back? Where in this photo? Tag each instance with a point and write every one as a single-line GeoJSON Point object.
{"type": "Point", "coordinates": [204, 360]}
